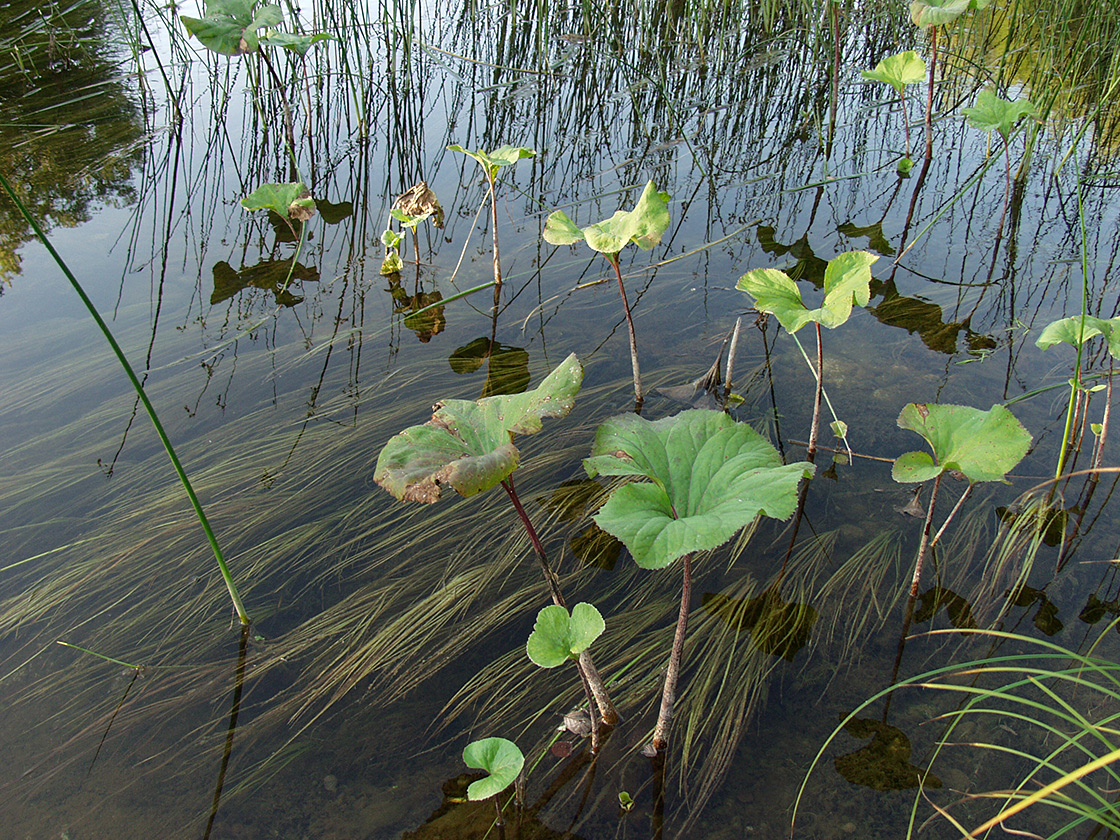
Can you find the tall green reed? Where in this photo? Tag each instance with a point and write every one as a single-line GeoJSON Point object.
{"type": "Point", "coordinates": [239, 607]}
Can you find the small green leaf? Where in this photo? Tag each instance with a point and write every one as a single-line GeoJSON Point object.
{"type": "Point", "coordinates": [993, 113]}
{"type": "Point", "coordinates": [292, 201]}
{"type": "Point", "coordinates": [984, 445]}
{"type": "Point", "coordinates": [392, 264]}
{"type": "Point", "coordinates": [558, 637]}
{"type": "Point", "coordinates": [643, 226]}
{"type": "Point", "coordinates": [898, 71]}
{"type": "Point", "coordinates": [839, 428]}
{"type": "Point", "coordinates": [469, 445]}
{"type": "Point", "coordinates": [561, 230]}
{"type": "Point", "coordinates": [299, 44]}
{"type": "Point", "coordinates": [500, 758]}
{"type": "Point", "coordinates": [710, 477]}
{"type": "Point", "coordinates": [847, 281]}
{"type": "Point", "coordinates": [492, 161]}
{"type": "Point", "coordinates": [939, 12]}
{"type": "Point", "coordinates": [904, 166]}
{"type": "Point", "coordinates": [391, 239]}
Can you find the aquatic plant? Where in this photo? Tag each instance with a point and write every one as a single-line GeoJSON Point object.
{"type": "Point", "coordinates": [932, 14]}
{"type": "Point", "coordinates": [847, 283]}
{"type": "Point", "coordinates": [559, 637]}
{"type": "Point", "coordinates": [709, 477]}
{"type": "Point", "coordinates": [503, 761]}
{"type": "Point", "coordinates": [980, 445]}
{"type": "Point", "coordinates": [643, 226]}
{"type": "Point", "coordinates": [150, 409]}
{"type": "Point", "coordinates": [491, 162]}
{"type": "Point", "coordinates": [1076, 331]}
{"type": "Point", "coordinates": [993, 113]}
{"type": "Point", "coordinates": [292, 202]}
{"type": "Point", "coordinates": [469, 447]}
{"type": "Point", "coordinates": [898, 71]}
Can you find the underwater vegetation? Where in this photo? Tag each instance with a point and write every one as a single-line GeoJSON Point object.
{"type": "Point", "coordinates": [295, 299]}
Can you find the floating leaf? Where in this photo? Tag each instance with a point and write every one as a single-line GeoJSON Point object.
{"type": "Point", "coordinates": [558, 637]}
{"type": "Point", "coordinates": [643, 226]}
{"type": "Point", "coordinates": [230, 26]}
{"type": "Point", "coordinates": [500, 758]}
{"type": "Point", "coordinates": [884, 764]}
{"type": "Point", "coordinates": [469, 445]}
{"type": "Point", "coordinates": [847, 281]}
{"type": "Point", "coordinates": [292, 201]}
{"type": "Point", "coordinates": [710, 475]}
{"type": "Point", "coordinates": [491, 162]}
{"type": "Point", "coordinates": [984, 445]}
{"type": "Point", "coordinates": [991, 113]}
{"type": "Point", "coordinates": [898, 71]}
{"type": "Point", "coordinates": [938, 12]}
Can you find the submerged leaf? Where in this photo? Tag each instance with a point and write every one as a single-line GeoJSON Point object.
{"type": "Point", "coordinates": [898, 71]}
{"type": "Point", "coordinates": [984, 445]}
{"type": "Point", "coordinates": [469, 445]}
{"type": "Point", "coordinates": [847, 281]}
{"type": "Point", "coordinates": [558, 637]}
{"type": "Point", "coordinates": [711, 476]}
{"type": "Point", "coordinates": [501, 758]}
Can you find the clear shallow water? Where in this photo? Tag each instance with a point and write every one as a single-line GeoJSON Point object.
{"type": "Point", "coordinates": [373, 614]}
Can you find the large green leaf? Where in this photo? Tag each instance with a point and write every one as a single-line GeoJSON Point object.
{"type": "Point", "coordinates": [469, 445]}
{"type": "Point", "coordinates": [558, 637]}
{"type": "Point", "coordinates": [1076, 331]}
{"type": "Point", "coordinates": [898, 71]}
{"type": "Point", "coordinates": [991, 113]}
{"type": "Point", "coordinates": [709, 477]}
{"type": "Point", "coordinates": [291, 201]}
{"type": "Point", "coordinates": [491, 162]}
{"type": "Point", "coordinates": [500, 758]}
{"type": "Point", "coordinates": [230, 26]}
{"type": "Point", "coordinates": [643, 226]}
{"type": "Point", "coordinates": [984, 445]}
{"type": "Point", "coordinates": [939, 12]}
{"type": "Point", "coordinates": [847, 281]}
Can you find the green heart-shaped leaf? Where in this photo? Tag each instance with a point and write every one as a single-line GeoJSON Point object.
{"type": "Point", "coordinates": [230, 26]}
{"type": "Point", "coordinates": [292, 201]}
{"type": "Point", "coordinates": [710, 475]}
{"type": "Point", "coordinates": [1077, 330]}
{"type": "Point", "coordinates": [491, 162]}
{"type": "Point", "coordinates": [938, 12]}
{"type": "Point", "coordinates": [643, 226]}
{"type": "Point", "coordinates": [469, 445]}
{"type": "Point", "coordinates": [558, 637]}
{"type": "Point", "coordinates": [984, 445]}
{"type": "Point", "coordinates": [991, 113]}
{"type": "Point", "coordinates": [500, 758]}
{"type": "Point", "coordinates": [299, 44]}
{"type": "Point", "coordinates": [847, 281]}
{"type": "Point", "coordinates": [898, 71]}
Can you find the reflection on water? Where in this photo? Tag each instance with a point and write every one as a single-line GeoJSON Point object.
{"type": "Point", "coordinates": [385, 636]}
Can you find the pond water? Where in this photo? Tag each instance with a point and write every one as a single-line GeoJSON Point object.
{"type": "Point", "coordinates": [386, 635]}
